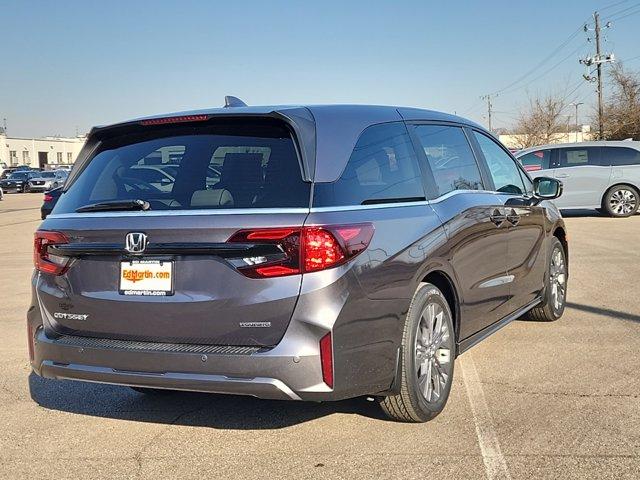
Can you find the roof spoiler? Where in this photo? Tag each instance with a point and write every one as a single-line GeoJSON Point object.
{"type": "Point", "coordinates": [231, 102]}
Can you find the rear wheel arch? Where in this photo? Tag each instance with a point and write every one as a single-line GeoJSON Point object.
{"type": "Point", "coordinates": [445, 284]}
{"type": "Point", "coordinates": [561, 234]}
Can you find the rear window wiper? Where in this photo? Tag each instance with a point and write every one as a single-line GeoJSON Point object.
{"type": "Point", "coordinates": [115, 205]}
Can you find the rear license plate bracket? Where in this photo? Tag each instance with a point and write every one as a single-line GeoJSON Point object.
{"type": "Point", "coordinates": [146, 277]}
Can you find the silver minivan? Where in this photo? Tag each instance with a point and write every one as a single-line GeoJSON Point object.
{"type": "Point", "coordinates": [602, 175]}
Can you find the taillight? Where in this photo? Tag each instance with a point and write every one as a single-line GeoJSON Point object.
{"type": "Point", "coordinates": [30, 341]}
{"type": "Point", "coordinates": [178, 119]}
{"type": "Point", "coordinates": [48, 197]}
{"type": "Point", "coordinates": [42, 259]}
{"type": "Point", "coordinates": [326, 359]}
{"type": "Point", "coordinates": [302, 250]}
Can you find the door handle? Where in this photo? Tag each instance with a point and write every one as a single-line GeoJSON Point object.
{"type": "Point", "coordinates": [513, 218]}
{"type": "Point", "coordinates": [498, 217]}
{"type": "Point", "coordinates": [562, 175]}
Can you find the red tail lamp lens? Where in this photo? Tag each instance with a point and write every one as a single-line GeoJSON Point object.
{"type": "Point", "coordinates": [42, 259]}
{"type": "Point", "coordinates": [30, 342]}
{"type": "Point", "coordinates": [48, 197]}
{"type": "Point", "coordinates": [179, 119]}
{"type": "Point", "coordinates": [321, 249]}
{"type": "Point", "coordinates": [326, 359]}
{"type": "Point", "coordinates": [306, 249]}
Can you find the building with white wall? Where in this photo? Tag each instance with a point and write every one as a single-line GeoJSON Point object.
{"type": "Point", "coordinates": [45, 152]}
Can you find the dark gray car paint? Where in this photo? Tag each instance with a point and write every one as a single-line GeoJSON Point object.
{"type": "Point", "coordinates": [363, 303]}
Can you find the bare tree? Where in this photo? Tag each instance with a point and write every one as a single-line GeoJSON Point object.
{"type": "Point", "coordinates": [622, 109]}
{"type": "Point", "coordinates": [542, 122]}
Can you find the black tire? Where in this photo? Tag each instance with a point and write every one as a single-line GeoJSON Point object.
{"type": "Point", "coordinates": [633, 201]}
{"type": "Point", "coordinates": [548, 311]}
{"type": "Point", "coordinates": [410, 405]}
{"type": "Point", "coordinates": [151, 391]}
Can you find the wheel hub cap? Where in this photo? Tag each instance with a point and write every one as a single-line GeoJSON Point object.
{"type": "Point", "coordinates": [434, 344]}
{"type": "Point", "coordinates": [623, 201]}
{"type": "Point", "coordinates": [558, 279]}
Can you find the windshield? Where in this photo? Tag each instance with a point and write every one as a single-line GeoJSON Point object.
{"type": "Point", "coordinates": [18, 176]}
{"type": "Point", "coordinates": [47, 175]}
{"type": "Point", "coordinates": [227, 166]}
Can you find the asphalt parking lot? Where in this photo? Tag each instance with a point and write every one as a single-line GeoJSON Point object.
{"type": "Point", "coordinates": [559, 400]}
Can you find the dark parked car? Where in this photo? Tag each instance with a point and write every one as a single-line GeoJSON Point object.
{"type": "Point", "coordinates": [342, 251]}
{"type": "Point", "coordinates": [18, 181]}
{"type": "Point", "coordinates": [49, 201]}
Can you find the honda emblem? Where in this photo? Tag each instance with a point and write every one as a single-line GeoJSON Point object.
{"type": "Point", "coordinates": [135, 242]}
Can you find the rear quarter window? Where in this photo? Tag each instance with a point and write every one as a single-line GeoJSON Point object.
{"type": "Point", "coordinates": [382, 168]}
{"type": "Point", "coordinates": [213, 166]}
{"type": "Point", "coordinates": [620, 156]}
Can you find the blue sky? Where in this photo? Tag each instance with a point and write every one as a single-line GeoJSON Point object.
{"type": "Point", "coordinates": [71, 64]}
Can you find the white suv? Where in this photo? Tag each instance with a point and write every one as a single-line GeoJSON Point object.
{"type": "Point", "coordinates": [601, 175]}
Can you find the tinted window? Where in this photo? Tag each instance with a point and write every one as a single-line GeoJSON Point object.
{"type": "Point", "coordinates": [535, 161]}
{"type": "Point", "coordinates": [18, 176]}
{"type": "Point", "coordinates": [618, 156]}
{"type": "Point", "coordinates": [382, 167]}
{"type": "Point", "coordinates": [47, 175]}
{"type": "Point", "coordinates": [450, 158]}
{"type": "Point", "coordinates": [578, 157]}
{"type": "Point", "coordinates": [504, 171]}
{"type": "Point", "coordinates": [213, 166]}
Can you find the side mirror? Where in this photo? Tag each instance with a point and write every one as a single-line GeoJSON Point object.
{"type": "Point", "coordinates": [545, 188]}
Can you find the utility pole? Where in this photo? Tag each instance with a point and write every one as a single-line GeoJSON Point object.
{"type": "Point", "coordinates": [596, 17]}
{"type": "Point", "coordinates": [487, 97]}
{"type": "Point", "coordinates": [577, 125]}
{"type": "Point", "coordinates": [598, 60]}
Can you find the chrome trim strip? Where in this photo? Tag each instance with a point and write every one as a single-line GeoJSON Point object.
{"type": "Point", "coordinates": [268, 211]}
{"type": "Point", "coordinates": [183, 213]}
{"type": "Point", "coordinates": [342, 208]}
{"type": "Point", "coordinates": [400, 204]}
{"type": "Point", "coordinates": [498, 281]}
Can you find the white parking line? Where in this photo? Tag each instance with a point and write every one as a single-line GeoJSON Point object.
{"type": "Point", "coordinates": [494, 462]}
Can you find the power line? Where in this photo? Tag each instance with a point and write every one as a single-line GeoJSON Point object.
{"type": "Point", "coordinates": [611, 5]}
{"type": "Point", "coordinates": [617, 19]}
{"type": "Point", "coordinates": [546, 72]}
{"type": "Point", "coordinates": [541, 63]}
{"type": "Point", "coordinates": [611, 15]}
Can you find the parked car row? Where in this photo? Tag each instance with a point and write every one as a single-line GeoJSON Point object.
{"type": "Point", "coordinates": [33, 180]}
{"type": "Point", "coordinates": [596, 175]}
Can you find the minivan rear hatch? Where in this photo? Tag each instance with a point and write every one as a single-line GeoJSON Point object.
{"type": "Point", "coordinates": [178, 231]}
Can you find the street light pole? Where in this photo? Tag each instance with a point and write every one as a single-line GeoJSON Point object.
{"type": "Point", "coordinates": [577, 105]}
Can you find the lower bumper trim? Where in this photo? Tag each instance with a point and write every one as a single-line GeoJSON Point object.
{"type": "Point", "coordinates": [262, 387]}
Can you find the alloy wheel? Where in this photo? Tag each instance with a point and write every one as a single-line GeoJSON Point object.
{"type": "Point", "coordinates": [623, 201]}
{"type": "Point", "coordinates": [433, 359]}
{"type": "Point", "coordinates": [558, 279]}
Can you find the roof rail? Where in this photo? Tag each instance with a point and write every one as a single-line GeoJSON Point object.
{"type": "Point", "coordinates": [231, 102]}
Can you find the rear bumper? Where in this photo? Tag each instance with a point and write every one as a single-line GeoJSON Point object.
{"type": "Point", "coordinates": [266, 375]}
{"type": "Point", "coordinates": [197, 382]}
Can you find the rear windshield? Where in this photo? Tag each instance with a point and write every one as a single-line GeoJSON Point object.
{"type": "Point", "coordinates": [213, 166]}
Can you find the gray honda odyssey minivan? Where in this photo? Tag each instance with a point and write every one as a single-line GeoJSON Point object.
{"type": "Point", "coordinates": [292, 252]}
